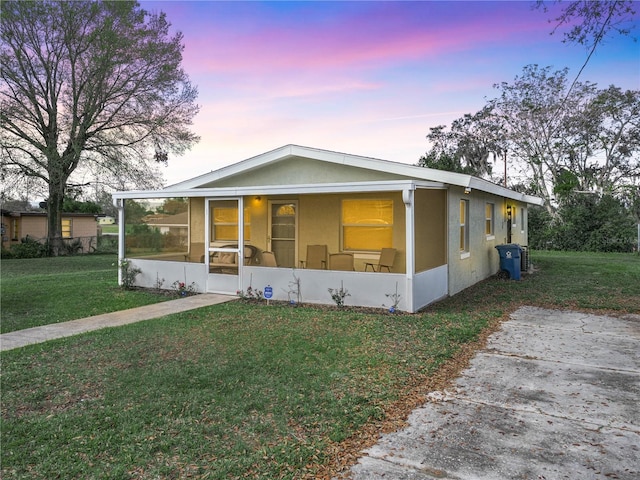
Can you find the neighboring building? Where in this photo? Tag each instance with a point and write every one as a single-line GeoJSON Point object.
{"type": "Point", "coordinates": [75, 226]}
{"type": "Point", "coordinates": [105, 220]}
{"type": "Point", "coordinates": [442, 226]}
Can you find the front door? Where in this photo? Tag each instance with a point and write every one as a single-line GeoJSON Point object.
{"type": "Point", "coordinates": [283, 231]}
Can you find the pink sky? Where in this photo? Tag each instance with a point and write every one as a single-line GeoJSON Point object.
{"type": "Point", "coordinates": [367, 78]}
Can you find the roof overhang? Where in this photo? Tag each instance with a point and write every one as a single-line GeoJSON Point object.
{"type": "Point", "coordinates": [418, 177]}
{"type": "Point", "coordinates": [352, 187]}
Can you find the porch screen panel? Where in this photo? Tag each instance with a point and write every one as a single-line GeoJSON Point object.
{"type": "Point", "coordinates": [367, 224]}
{"type": "Point", "coordinates": [157, 228]}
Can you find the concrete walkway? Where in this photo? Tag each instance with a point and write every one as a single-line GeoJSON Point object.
{"type": "Point", "coordinates": [555, 395]}
{"type": "Point", "coordinates": [20, 338]}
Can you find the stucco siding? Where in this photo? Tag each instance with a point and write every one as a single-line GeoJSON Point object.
{"type": "Point", "coordinates": [302, 171]}
{"type": "Point", "coordinates": [83, 226]}
{"type": "Point", "coordinates": [482, 260]}
{"type": "Point", "coordinates": [35, 227]}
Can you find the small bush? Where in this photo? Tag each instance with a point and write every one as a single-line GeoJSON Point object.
{"type": "Point", "coordinates": [339, 294]}
{"type": "Point", "coordinates": [129, 274]}
{"type": "Point", "coordinates": [107, 244]}
{"type": "Point", "coordinates": [28, 248]}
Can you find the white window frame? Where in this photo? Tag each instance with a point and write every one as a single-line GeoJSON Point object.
{"type": "Point", "coordinates": [464, 228]}
{"type": "Point", "coordinates": [490, 221]}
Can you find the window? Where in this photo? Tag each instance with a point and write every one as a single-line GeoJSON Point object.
{"type": "Point", "coordinates": [464, 226]}
{"type": "Point", "coordinates": [522, 220]}
{"type": "Point", "coordinates": [15, 229]}
{"type": "Point", "coordinates": [367, 224]}
{"type": "Point", "coordinates": [66, 228]}
{"type": "Point", "coordinates": [489, 215]}
{"type": "Point", "coordinates": [225, 223]}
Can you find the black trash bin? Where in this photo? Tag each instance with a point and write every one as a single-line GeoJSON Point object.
{"type": "Point", "coordinates": [510, 259]}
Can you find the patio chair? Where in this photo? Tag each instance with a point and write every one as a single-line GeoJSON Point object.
{"type": "Point", "coordinates": [341, 261]}
{"type": "Point", "coordinates": [387, 256]}
{"type": "Point", "coordinates": [269, 259]}
{"type": "Point", "coordinates": [316, 257]}
{"type": "Point", "coordinates": [249, 254]}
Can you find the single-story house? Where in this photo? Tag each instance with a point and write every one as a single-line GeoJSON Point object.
{"type": "Point", "coordinates": [81, 227]}
{"type": "Point", "coordinates": [303, 220]}
{"type": "Point", "coordinates": [105, 220]}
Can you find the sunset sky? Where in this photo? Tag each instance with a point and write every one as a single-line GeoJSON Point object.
{"type": "Point", "coordinates": [366, 78]}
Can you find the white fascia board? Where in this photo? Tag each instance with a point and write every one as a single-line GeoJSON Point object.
{"type": "Point", "coordinates": [486, 186]}
{"type": "Point", "coordinates": [356, 187]}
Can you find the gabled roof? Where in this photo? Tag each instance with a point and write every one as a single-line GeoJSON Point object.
{"type": "Point", "coordinates": [397, 171]}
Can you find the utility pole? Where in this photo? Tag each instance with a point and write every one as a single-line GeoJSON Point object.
{"type": "Point", "coordinates": [505, 169]}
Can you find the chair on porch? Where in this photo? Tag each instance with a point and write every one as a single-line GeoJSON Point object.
{"type": "Point", "coordinates": [387, 256]}
{"type": "Point", "coordinates": [249, 254]}
{"type": "Point", "coordinates": [269, 259]}
{"type": "Point", "coordinates": [341, 261]}
{"type": "Point", "coordinates": [316, 257]}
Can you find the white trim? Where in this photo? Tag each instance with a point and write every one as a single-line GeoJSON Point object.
{"type": "Point", "coordinates": [382, 186]}
{"type": "Point", "coordinates": [408, 197]}
{"type": "Point", "coordinates": [121, 244]}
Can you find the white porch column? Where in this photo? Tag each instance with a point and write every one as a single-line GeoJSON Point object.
{"type": "Point", "coordinates": [121, 228]}
{"type": "Point", "coordinates": [407, 198]}
{"type": "Point", "coordinates": [240, 243]}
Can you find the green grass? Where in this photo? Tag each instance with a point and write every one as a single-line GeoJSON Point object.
{"type": "Point", "coordinates": [242, 390]}
{"type": "Point", "coordinates": [109, 228]}
{"type": "Point", "coordinates": [41, 291]}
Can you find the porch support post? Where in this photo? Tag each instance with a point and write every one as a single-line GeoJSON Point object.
{"type": "Point", "coordinates": [407, 198]}
{"type": "Point", "coordinates": [207, 236]}
{"type": "Point", "coordinates": [240, 243]}
{"type": "Point", "coordinates": [121, 228]}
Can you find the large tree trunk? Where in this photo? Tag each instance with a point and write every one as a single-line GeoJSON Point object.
{"type": "Point", "coordinates": [54, 217]}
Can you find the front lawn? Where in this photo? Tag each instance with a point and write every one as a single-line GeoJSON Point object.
{"type": "Point", "coordinates": [242, 390]}
{"type": "Point", "coordinates": [40, 291]}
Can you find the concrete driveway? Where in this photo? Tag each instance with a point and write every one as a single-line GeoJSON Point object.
{"type": "Point", "coordinates": [555, 395]}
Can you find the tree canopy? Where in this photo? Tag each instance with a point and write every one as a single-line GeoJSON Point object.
{"type": "Point", "coordinates": [559, 139]}
{"type": "Point", "coordinates": [90, 86]}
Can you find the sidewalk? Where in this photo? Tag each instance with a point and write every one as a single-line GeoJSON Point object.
{"type": "Point", "coordinates": [20, 338]}
{"type": "Point", "coordinates": [555, 394]}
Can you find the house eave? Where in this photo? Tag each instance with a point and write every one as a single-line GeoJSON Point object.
{"type": "Point", "coordinates": [417, 174]}
{"type": "Point", "coordinates": [352, 187]}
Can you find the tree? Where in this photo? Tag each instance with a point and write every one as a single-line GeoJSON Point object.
{"type": "Point", "coordinates": [467, 146]}
{"type": "Point", "coordinates": [560, 139]}
{"type": "Point", "coordinates": [570, 138]}
{"type": "Point", "coordinates": [92, 84]}
{"type": "Point", "coordinates": [173, 206]}
{"type": "Point", "coordinates": [590, 21]}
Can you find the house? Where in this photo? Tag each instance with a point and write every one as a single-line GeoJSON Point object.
{"type": "Point", "coordinates": [251, 224]}
{"type": "Point", "coordinates": [105, 220]}
{"type": "Point", "coordinates": [79, 227]}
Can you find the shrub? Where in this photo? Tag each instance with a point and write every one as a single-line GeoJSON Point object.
{"type": "Point", "coordinates": [29, 248]}
{"type": "Point", "coordinates": [129, 274]}
{"type": "Point", "coordinates": [107, 244]}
